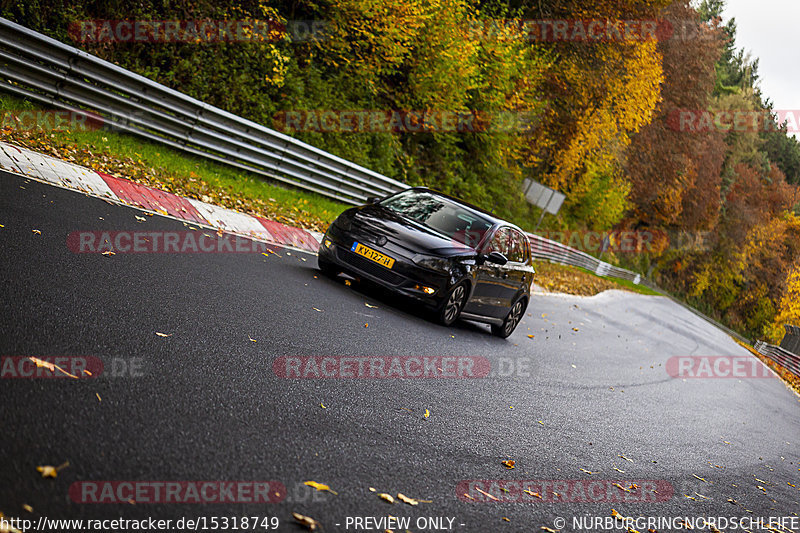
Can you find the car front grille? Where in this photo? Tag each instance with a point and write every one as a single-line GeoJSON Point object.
{"type": "Point", "coordinates": [369, 267]}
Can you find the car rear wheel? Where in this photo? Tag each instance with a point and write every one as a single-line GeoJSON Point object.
{"type": "Point", "coordinates": [453, 304]}
{"type": "Point", "coordinates": [512, 319]}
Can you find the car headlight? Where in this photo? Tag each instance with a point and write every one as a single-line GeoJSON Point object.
{"type": "Point", "coordinates": [432, 263]}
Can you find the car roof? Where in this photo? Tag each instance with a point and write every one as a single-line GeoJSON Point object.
{"type": "Point", "coordinates": [486, 214]}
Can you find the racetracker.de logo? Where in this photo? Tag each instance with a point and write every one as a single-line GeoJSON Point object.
{"type": "Point", "coordinates": [717, 366]}
{"type": "Point", "coordinates": [570, 30]}
{"type": "Point", "coordinates": [177, 492]}
{"type": "Point", "coordinates": [195, 31]}
{"type": "Point", "coordinates": [70, 367]}
{"type": "Point", "coordinates": [564, 490]}
{"type": "Point", "coordinates": [50, 120]}
{"type": "Point", "coordinates": [166, 242]}
{"type": "Point", "coordinates": [379, 367]}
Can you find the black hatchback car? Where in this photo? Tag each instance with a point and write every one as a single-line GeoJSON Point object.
{"type": "Point", "coordinates": [452, 257]}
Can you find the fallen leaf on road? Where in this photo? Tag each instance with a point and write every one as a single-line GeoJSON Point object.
{"type": "Point", "coordinates": [371, 306]}
{"type": "Point", "coordinates": [320, 486]}
{"type": "Point", "coordinates": [322, 405]}
{"type": "Point", "coordinates": [549, 530]}
{"type": "Point", "coordinates": [108, 253]}
{"type": "Point", "coordinates": [506, 519]}
{"type": "Point", "coordinates": [43, 364]}
{"type": "Point", "coordinates": [588, 472]}
{"type": "Point", "coordinates": [99, 399]}
{"type": "Point", "coordinates": [509, 464]}
{"type": "Point", "coordinates": [163, 334]}
{"type": "Point", "coordinates": [307, 521]}
{"type": "Point", "coordinates": [251, 338]}
{"type": "Point", "coordinates": [386, 497]}
{"type": "Point", "coordinates": [315, 309]}
{"type": "Point", "coordinates": [487, 494]}
{"type": "Point", "coordinates": [427, 414]}
{"type": "Point", "coordinates": [37, 232]}
{"type": "Point", "coordinates": [623, 457]}
{"type": "Point", "coordinates": [50, 366]}
{"type": "Point", "coordinates": [347, 283]}
{"type": "Point", "coordinates": [405, 499]}
{"type": "Point", "coordinates": [27, 507]}
{"type": "Point", "coordinates": [534, 494]}
{"type": "Point", "coordinates": [51, 471]}
{"type": "Point", "coordinates": [140, 219]}
{"type": "Point", "coordinates": [574, 329]}
{"type": "Point", "coordinates": [620, 487]}
{"type": "Point", "coordinates": [366, 324]}
{"type": "Point", "coordinates": [542, 423]}
{"type": "Point", "coordinates": [701, 479]}
{"type": "Point", "coordinates": [618, 470]}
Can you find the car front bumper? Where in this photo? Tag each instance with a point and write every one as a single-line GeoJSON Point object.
{"type": "Point", "coordinates": [405, 277]}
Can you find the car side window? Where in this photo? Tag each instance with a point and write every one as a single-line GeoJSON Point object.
{"type": "Point", "coordinates": [527, 242]}
{"type": "Point", "coordinates": [519, 249]}
{"type": "Point", "coordinates": [501, 242]}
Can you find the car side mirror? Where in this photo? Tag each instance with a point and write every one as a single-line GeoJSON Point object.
{"type": "Point", "coordinates": [372, 199]}
{"type": "Point", "coordinates": [497, 258]}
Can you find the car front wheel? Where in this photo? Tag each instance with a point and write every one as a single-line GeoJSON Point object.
{"type": "Point", "coordinates": [453, 304]}
{"type": "Point", "coordinates": [512, 319]}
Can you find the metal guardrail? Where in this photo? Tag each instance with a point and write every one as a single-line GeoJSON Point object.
{"type": "Point", "coordinates": [556, 252]}
{"type": "Point", "coordinates": [786, 359]}
{"type": "Point", "coordinates": [44, 70]}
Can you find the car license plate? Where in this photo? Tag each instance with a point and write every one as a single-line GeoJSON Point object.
{"type": "Point", "coordinates": [372, 255]}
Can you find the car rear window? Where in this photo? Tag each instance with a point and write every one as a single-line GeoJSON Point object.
{"type": "Point", "coordinates": [441, 215]}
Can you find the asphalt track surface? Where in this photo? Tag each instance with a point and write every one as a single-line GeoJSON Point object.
{"type": "Point", "coordinates": [590, 392]}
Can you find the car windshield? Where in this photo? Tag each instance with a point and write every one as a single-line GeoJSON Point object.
{"type": "Point", "coordinates": [441, 215]}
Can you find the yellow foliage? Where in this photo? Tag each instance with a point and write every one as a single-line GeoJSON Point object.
{"type": "Point", "coordinates": [630, 84]}
{"type": "Point", "coordinates": [789, 310]}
